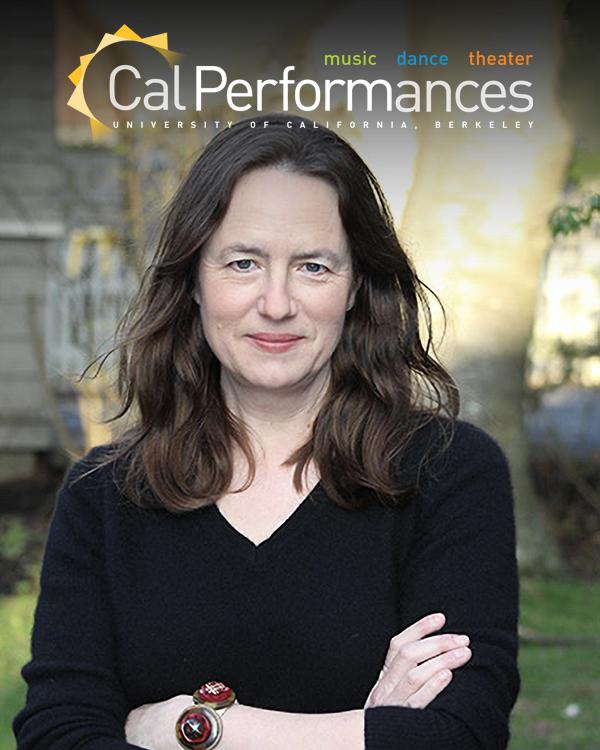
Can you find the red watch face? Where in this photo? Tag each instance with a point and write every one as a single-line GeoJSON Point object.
{"type": "Point", "coordinates": [195, 728]}
{"type": "Point", "coordinates": [214, 692]}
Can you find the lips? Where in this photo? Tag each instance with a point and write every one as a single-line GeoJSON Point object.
{"type": "Point", "coordinates": [274, 342]}
{"type": "Point", "coordinates": [275, 337]}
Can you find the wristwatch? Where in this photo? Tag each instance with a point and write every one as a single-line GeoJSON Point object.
{"type": "Point", "coordinates": [200, 727]}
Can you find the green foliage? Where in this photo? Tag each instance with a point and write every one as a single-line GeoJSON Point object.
{"type": "Point", "coordinates": [557, 707]}
{"type": "Point", "coordinates": [584, 166]}
{"type": "Point", "coordinates": [14, 538]}
{"type": "Point", "coordinates": [16, 614]}
{"type": "Point", "coordinates": [570, 219]}
{"type": "Point", "coordinates": [562, 607]}
{"type": "Point", "coordinates": [21, 548]}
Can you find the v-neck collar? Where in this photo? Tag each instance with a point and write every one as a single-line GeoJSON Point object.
{"type": "Point", "coordinates": [289, 529]}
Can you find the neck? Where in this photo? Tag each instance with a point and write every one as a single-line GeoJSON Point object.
{"type": "Point", "coordinates": [279, 421]}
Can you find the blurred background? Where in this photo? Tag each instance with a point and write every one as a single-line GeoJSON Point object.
{"type": "Point", "coordinates": [503, 224]}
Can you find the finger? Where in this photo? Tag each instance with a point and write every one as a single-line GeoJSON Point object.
{"type": "Point", "coordinates": [454, 659]}
{"type": "Point", "coordinates": [420, 629]}
{"type": "Point", "coordinates": [417, 677]}
{"type": "Point", "coordinates": [417, 652]}
{"type": "Point", "coordinates": [398, 686]}
{"type": "Point", "coordinates": [430, 690]}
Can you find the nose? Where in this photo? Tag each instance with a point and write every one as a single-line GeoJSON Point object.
{"type": "Point", "coordinates": [276, 300]}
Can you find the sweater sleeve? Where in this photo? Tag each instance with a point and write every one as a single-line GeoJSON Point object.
{"type": "Point", "coordinates": [74, 698]}
{"type": "Point", "coordinates": [462, 563]}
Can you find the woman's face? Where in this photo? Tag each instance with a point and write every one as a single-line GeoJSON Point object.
{"type": "Point", "coordinates": [275, 282]}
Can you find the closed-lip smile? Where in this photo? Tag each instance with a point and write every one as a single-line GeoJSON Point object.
{"type": "Point", "coordinates": [274, 342]}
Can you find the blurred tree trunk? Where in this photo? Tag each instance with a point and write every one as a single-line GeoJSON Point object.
{"type": "Point", "coordinates": [478, 209]}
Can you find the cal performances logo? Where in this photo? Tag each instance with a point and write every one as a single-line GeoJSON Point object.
{"type": "Point", "coordinates": [124, 34]}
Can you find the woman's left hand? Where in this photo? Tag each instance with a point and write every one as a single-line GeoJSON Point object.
{"type": "Point", "coordinates": [153, 725]}
{"type": "Point", "coordinates": [419, 665]}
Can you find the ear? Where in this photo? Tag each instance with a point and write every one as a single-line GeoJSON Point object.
{"type": "Point", "coordinates": [196, 295]}
{"type": "Point", "coordinates": [352, 297]}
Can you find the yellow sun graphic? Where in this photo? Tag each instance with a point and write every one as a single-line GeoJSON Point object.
{"type": "Point", "coordinates": [124, 34]}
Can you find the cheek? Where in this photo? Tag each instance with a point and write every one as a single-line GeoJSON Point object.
{"type": "Point", "coordinates": [330, 311]}
{"type": "Point", "coordinates": [221, 304]}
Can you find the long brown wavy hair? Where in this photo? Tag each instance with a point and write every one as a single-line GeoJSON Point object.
{"type": "Point", "coordinates": [385, 384]}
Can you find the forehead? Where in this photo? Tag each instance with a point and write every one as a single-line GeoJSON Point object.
{"type": "Point", "coordinates": [277, 207]}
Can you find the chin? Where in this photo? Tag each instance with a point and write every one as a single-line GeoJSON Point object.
{"type": "Point", "coordinates": [276, 385]}
{"type": "Point", "coordinates": [277, 382]}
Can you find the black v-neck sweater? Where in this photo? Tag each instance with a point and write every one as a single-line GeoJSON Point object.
{"type": "Point", "coordinates": [137, 606]}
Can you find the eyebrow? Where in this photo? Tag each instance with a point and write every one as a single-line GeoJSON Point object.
{"type": "Point", "coordinates": [320, 252]}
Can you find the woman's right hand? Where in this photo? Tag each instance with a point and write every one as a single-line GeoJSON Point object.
{"type": "Point", "coordinates": [418, 665]}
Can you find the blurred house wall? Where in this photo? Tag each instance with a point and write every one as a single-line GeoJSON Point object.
{"type": "Point", "coordinates": [46, 191]}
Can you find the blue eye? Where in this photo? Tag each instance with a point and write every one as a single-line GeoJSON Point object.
{"type": "Point", "coordinates": [244, 264]}
{"type": "Point", "coordinates": [315, 268]}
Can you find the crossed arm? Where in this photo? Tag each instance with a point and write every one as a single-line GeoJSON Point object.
{"type": "Point", "coordinates": [418, 666]}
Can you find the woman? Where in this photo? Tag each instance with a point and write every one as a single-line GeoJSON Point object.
{"type": "Point", "coordinates": [292, 514]}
